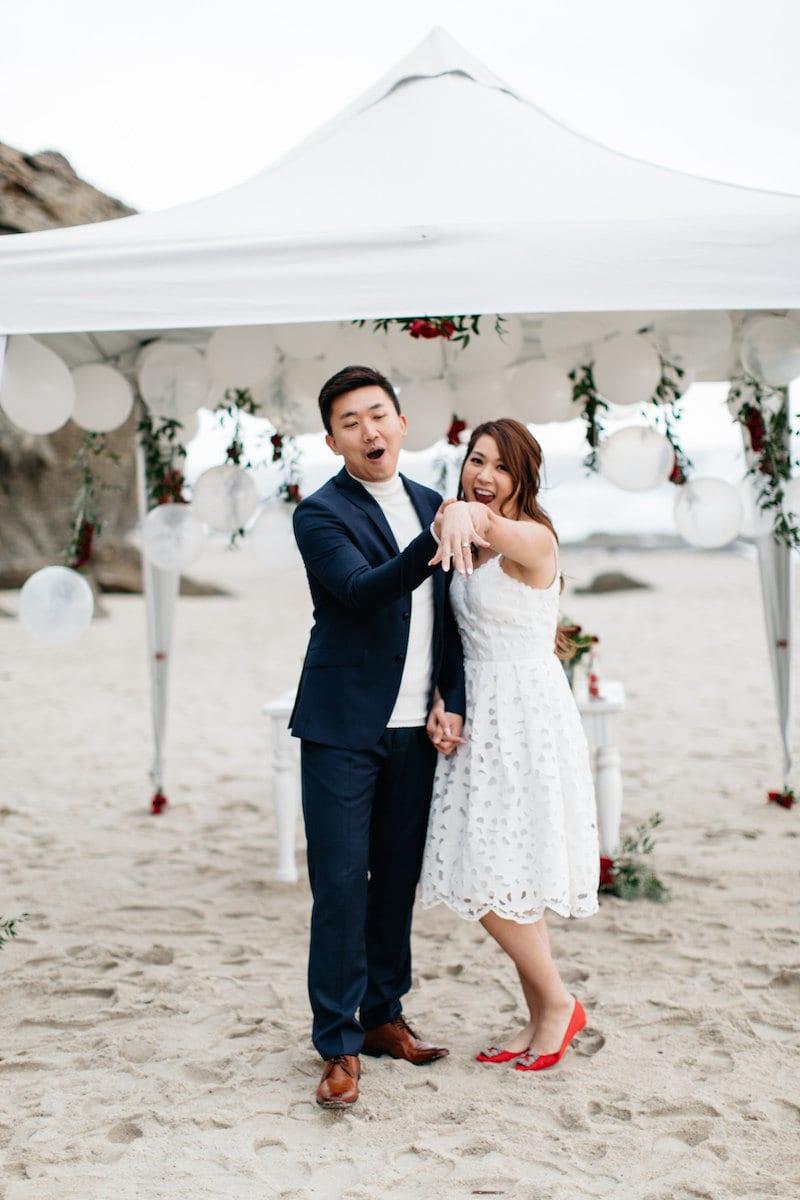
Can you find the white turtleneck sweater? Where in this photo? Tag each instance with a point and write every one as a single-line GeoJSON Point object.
{"type": "Point", "coordinates": [411, 706]}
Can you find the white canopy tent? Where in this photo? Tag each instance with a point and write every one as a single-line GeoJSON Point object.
{"type": "Point", "coordinates": [441, 190]}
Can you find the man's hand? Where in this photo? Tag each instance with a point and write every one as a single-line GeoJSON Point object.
{"type": "Point", "coordinates": [444, 728]}
{"type": "Point", "coordinates": [460, 527]}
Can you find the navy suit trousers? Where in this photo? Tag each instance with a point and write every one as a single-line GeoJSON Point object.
{"type": "Point", "coordinates": [366, 814]}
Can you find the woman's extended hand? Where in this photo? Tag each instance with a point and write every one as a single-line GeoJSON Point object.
{"type": "Point", "coordinates": [460, 526]}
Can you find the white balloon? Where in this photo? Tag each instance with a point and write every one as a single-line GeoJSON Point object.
{"type": "Point", "coordinates": [272, 540]}
{"type": "Point", "coordinates": [488, 350]}
{"type": "Point", "coordinates": [791, 501]}
{"type": "Point", "coordinates": [189, 429]}
{"type": "Point", "coordinates": [627, 369]}
{"type": "Point", "coordinates": [770, 350]}
{"type": "Point", "coordinates": [305, 341]}
{"type": "Point", "coordinates": [416, 358]}
{"type": "Point", "coordinates": [708, 512]}
{"type": "Point", "coordinates": [103, 398]}
{"type": "Point", "coordinates": [541, 392]}
{"type": "Point", "coordinates": [694, 339]}
{"type": "Point", "coordinates": [241, 356]}
{"type": "Point", "coordinates": [292, 404]}
{"type": "Point", "coordinates": [356, 345]}
{"type": "Point", "coordinates": [56, 604]}
{"type": "Point", "coordinates": [569, 339]}
{"type": "Point", "coordinates": [429, 408]}
{"type": "Point", "coordinates": [172, 537]}
{"type": "Point", "coordinates": [225, 498]}
{"type": "Point", "coordinates": [636, 459]}
{"type": "Point", "coordinates": [37, 391]}
{"type": "Point", "coordinates": [756, 522]}
{"type": "Point", "coordinates": [479, 398]}
{"type": "Point", "coordinates": [174, 380]}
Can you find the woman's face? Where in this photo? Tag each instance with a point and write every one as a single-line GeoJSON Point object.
{"type": "Point", "coordinates": [485, 478]}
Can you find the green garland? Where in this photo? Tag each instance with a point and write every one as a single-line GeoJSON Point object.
{"type": "Point", "coordinates": [592, 404]}
{"type": "Point", "coordinates": [768, 433]}
{"type": "Point", "coordinates": [88, 522]}
{"type": "Point", "coordinates": [164, 457]}
{"type": "Point", "coordinates": [456, 329]}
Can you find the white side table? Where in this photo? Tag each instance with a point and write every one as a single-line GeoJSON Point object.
{"type": "Point", "coordinates": [598, 721]}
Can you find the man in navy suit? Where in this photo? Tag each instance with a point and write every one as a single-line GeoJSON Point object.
{"type": "Point", "coordinates": [383, 658]}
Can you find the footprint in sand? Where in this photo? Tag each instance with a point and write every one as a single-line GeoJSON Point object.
{"type": "Point", "coordinates": [589, 1042]}
{"type": "Point", "coordinates": [124, 1132]}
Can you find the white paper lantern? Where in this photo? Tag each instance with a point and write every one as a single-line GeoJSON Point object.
{"type": "Point", "coordinates": [37, 391]}
{"type": "Point", "coordinates": [56, 604]}
{"type": "Point", "coordinates": [241, 356]}
{"type": "Point", "coordinates": [770, 350]}
{"type": "Point", "coordinates": [103, 398]}
{"type": "Point", "coordinates": [791, 501]}
{"type": "Point", "coordinates": [172, 537]}
{"type": "Point", "coordinates": [174, 380]}
{"type": "Point", "coordinates": [540, 392]}
{"type": "Point", "coordinates": [429, 408]}
{"type": "Point", "coordinates": [627, 369]}
{"type": "Point", "coordinates": [708, 512]}
{"type": "Point", "coordinates": [569, 339]}
{"type": "Point", "coordinates": [225, 498]}
{"type": "Point", "coordinates": [305, 341]}
{"type": "Point", "coordinates": [756, 522]}
{"type": "Point", "coordinates": [488, 350]}
{"type": "Point", "coordinates": [636, 459]}
{"type": "Point", "coordinates": [694, 339]}
{"type": "Point", "coordinates": [479, 398]}
{"type": "Point", "coordinates": [272, 539]}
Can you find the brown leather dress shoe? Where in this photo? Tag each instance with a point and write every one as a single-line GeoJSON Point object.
{"type": "Point", "coordinates": [397, 1039]}
{"type": "Point", "coordinates": [338, 1087]}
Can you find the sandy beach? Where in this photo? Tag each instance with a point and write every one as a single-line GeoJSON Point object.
{"type": "Point", "coordinates": [154, 1025]}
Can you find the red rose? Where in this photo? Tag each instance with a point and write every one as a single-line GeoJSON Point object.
{"type": "Point", "coordinates": [277, 447]}
{"type": "Point", "coordinates": [158, 803]}
{"type": "Point", "coordinates": [754, 423]}
{"type": "Point", "coordinates": [785, 799]}
{"type": "Point", "coordinates": [676, 475]}
{"type": "Point", "coordinates": [416, 328]}
{"type": "Point", "coordinates": [83, 545]}
{"type": "Point", "coordinates": [457, 427]}
{"type": "Point", "coordinates": [447, 329]}
{"type": "Point", "coordinates": [607, 872]}
{"type": "Point", "coordinates": [429, 330]}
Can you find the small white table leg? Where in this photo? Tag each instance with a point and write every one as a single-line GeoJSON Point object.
{"type": "Point", "coordinates": [608, 790]}
{"type": "Point", "coordinates": [284, 799]}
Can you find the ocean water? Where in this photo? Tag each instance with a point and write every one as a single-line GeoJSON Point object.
{"type": "Point", "coordinates": [580, 502]}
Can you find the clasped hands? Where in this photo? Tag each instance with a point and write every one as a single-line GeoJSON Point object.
{"type": "Point", "coordinates": [459, 525]}
{"type": "Point", "coordinates": [444, 728]}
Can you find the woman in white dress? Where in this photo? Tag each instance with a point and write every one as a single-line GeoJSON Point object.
{"type": "Point", "coordinates": [512, 829]}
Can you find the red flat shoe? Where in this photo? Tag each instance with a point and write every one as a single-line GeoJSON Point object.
{"type": "Point", "coordinates": [493, 1054]}
{"type": "Point", "coordinates": [531, 1061]}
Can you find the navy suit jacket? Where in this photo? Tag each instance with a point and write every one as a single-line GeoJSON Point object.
{"type": "Point", "coordinates": [361, 585]}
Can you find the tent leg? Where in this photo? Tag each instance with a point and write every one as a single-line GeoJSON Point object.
{"type": "Point", "coordinates": [160, 595]}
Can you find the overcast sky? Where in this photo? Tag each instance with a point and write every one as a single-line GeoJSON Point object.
{"type": "Point", "coordinates": [163, 101]}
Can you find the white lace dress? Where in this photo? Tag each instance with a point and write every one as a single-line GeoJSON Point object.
{"type": "Point", "coordinates": [513, 824]}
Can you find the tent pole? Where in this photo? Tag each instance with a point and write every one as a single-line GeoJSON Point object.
{"type": "Point", "coordinates": [775, 568]}
{"type": "Point", "coordinates": [160, 595]}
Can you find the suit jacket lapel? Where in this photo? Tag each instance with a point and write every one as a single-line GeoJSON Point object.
{"type": "Point", "coordinates": [359, 496]}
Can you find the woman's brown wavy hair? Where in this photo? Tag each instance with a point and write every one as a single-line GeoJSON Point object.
{"type": "Point", "coordinates": [521, 455]}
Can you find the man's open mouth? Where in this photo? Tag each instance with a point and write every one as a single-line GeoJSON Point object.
{"type": "Point", "coordinates": [374, 455]}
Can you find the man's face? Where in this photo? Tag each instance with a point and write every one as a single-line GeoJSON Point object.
{"type": "Point", "coordinates": [368, 431]}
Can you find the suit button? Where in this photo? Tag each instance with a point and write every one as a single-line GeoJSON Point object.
{"type": "Point", "coordinates": [399, 658]}
{"type": "Point", "coordinates": [406, 616]}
